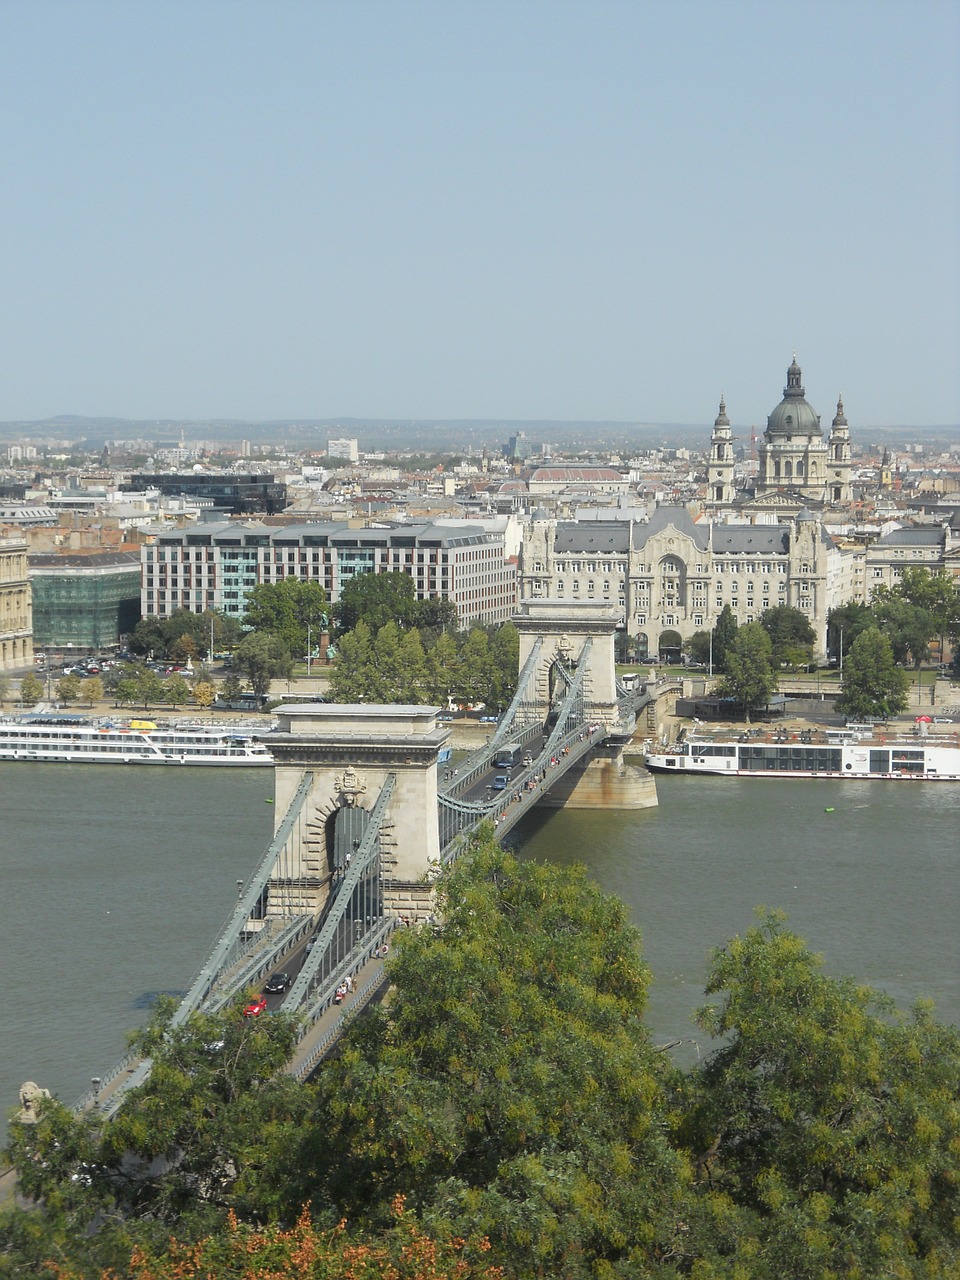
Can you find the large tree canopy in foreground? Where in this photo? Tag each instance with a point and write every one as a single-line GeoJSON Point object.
{"type": "Point", "coordinates": [505, 1107]}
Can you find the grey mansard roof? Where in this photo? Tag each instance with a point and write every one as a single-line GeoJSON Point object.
{"type": "Point", "coordinates": [584, 537]}
{"type": "Point", "coordinates": [751, 540]}
{"type": "Point", "coordinates": [932, 536]}
{"type": "Point", "coordinates": [661, 518]}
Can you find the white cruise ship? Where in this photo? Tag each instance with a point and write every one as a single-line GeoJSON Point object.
{"type": "Point", "coordinates": [836, 756]}
{"type": "Point", "coordinates": [66, 739]}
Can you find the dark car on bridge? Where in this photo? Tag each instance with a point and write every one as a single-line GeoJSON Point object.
{"type": "Point", "coordinates": [279, 982]}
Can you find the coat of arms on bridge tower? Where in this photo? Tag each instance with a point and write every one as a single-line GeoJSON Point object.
{"type": "Point", "coordinates": [565, 649]}
{"type": "Point", "coordinates": [350, 785]}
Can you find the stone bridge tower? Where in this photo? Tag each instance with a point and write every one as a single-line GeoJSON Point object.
{"type": "Point", "coordinates": [564, 626]}
{"type": "Point", "coordinates": [351, 749]}
{"type": "Point", "coordinates": [604, 781]}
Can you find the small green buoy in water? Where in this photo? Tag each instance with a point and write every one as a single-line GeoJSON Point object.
{"type": "Point", "coordinates": [268, 801]}
{"type": "Point", "coordinates": [829, 809]}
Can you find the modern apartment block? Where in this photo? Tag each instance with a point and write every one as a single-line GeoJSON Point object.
{"type": "Point", "coordinates": [216, 566]}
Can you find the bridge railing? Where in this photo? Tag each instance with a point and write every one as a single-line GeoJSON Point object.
{"type": "Point", "coordinates": [506, 728]}
{"type": "Point", "coordinates": [277, 851]}
{"type": "Point", "coordinates": [505, 808]}
{"type": "Point", "coordinates": [476, 764]}
{"type": "Point", "coordinates": [356, 914]}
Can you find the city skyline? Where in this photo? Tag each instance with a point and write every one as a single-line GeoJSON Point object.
{"type": "Point", "coordinates": [507, 214]}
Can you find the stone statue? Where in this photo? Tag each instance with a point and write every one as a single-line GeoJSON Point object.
{"type": "Point", "coordinates": [30, 1095]}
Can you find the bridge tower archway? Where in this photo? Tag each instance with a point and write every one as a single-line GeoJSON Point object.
{"type": "Point", "coordinates": [350, 751]}
{"type": "Point", "coordinates": [563, 627]}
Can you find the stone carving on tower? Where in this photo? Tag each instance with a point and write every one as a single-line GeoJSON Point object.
{"type": "Point", "coordinates": [350, 786]}
{"type": "Point", "coordinates": [720, 490]}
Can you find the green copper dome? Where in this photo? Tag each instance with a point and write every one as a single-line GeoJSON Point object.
{"type": "Point", "coordinates": [793, 416]}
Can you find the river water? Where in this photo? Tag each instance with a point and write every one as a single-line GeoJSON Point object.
{"type": "Point", "coordinates": [116, 883]}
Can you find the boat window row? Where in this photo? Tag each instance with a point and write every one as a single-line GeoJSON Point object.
{"type": "Point", "coordinates": [791, 759]}
{"type": "Point", "coordinates": [712, 749]}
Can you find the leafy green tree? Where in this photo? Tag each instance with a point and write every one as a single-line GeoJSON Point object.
{"type": "Point", "coordinates": [845, 624]}
{"type": "Point", "coordinates": [791, 635]}
{"type": "Point", "coordinates": [504, 665]}
{"type": "Point", "coordinates": [210, 1116]}
{"type": "Point", "coordinates": [149, 686]}
{"type": "Point", "coordinates": [261, 657]}
{"type": "Point", "coordinates": [511, 1088]}
{"type": "Point", "coordinates": [124, 690]}
{"type": "Point", "coordinates": [436, 615]}
{"type": "Point", "coordinates": [176, 691]}
{"type": "Point", "coordinates": [166, 636]}
{"type": "Point", "coordinates": [93, 690]}
{"type": "Point", "coordinates": [148, 637]}
{"type": "Point", "coordinates": [698, 647]}
{"type": "Point", "coordinates": [873, 684]}
{"type": "Point", "coordinates": [184, 649]}
{"type": "Point", "coordinates": [749, 678]}
{"type": "Point", "coordinates": [909, 628]}
{"type": "Point", "coordinates": [723, 636]}
{"type": "Point", "coordinates": [231, 688]}
{"type": "Point", "coordinates": [286, 610]}
{"type": "Point", "coordinates": [825, 1133]}
{"type": "Point", "coordinates": [376, 599]}
{"type": "Point", "coordinates": [31, 689]}
{"type": "Point", "coordinates": [475, 672]}
{"type": "Point", "coordinates": [441, 669]}
{"type": "Point", "coordinates": [350, 681]}
{"type": "Point", "coordinates": [69, 688]}
{"type": "Point", "coordinates": [937, 594]}
{"type": "Point", "coordinates": [413, 667]}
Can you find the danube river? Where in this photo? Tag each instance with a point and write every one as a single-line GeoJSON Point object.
{"type": "Point", "coordinates": [116, 883]}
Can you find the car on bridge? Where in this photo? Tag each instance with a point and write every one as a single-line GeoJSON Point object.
{"type": "Point", "coordinates": [256, 1006]}
{"type": "Point", "coordinates": [277, 983]}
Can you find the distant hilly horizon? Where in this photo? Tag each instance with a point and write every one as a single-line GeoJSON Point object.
{"type": "Point", "coordinates": [433, 435]}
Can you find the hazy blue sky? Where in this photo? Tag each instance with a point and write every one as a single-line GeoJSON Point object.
{"type": "Point", "coordinates": [479, 209]}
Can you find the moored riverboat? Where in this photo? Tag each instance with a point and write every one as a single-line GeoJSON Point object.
{"type": "Point", "coordinates": [65, 739]}
{"type": "Point", "coordinates": [813, 756]}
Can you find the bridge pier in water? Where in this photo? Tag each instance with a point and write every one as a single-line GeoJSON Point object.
{"type": "Point", "coordinates": [563, 628]}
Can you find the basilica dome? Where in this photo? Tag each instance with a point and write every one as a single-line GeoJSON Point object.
{"type": "Point", "coordinates": [793, 416]}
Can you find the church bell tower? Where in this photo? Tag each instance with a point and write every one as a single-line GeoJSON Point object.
{"type": "Point", "coordinates": [720, 490]}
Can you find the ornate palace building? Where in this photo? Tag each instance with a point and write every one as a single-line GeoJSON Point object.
{"type": "Point", "coordinates": [16, 624]}
{"type": "Point", "coordinates": [672, 576]}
